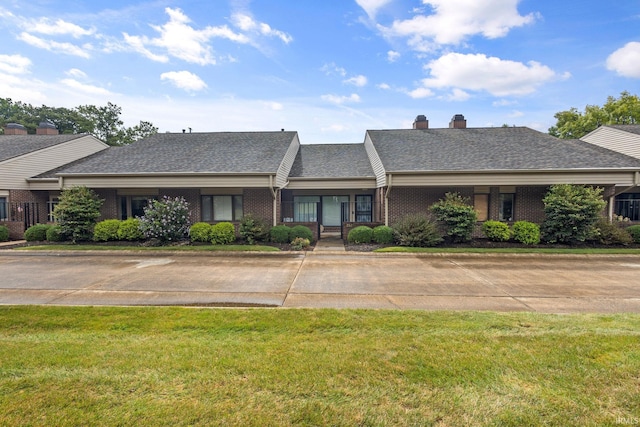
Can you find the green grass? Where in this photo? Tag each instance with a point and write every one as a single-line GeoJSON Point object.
{"type": "Point", "coordinates": [584, 251]}
{"type": "Point", "coordinates": [199, 248]}
{"type": "Point", "coordinates": [261, 367]}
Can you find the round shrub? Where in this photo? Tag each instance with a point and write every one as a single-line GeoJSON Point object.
{"type": "Point", "coordinates": [416, 230]}
{"type": "Point", "coordinates": [280, 234]}
{"type": "Point", "coordinates": [526, 232]}
{"type": "Point", "coordinates": [457, 216]}
{"type": "Point", "coordinates": [36, 233]}
{"type": "Point", "coordinates": [301, 231]}
{"type": "Point", "coordinates": [634, 231]}
{"type": "Point", "coordinates": [200, 232]}
{"type": "Point", "coordinates": [129, 229]}
{"type": "Point", "coordinates": [253, 229]}
{"type": "Point", "coordinates": [4, 233]}
{"type": "Point", "coordinates": [360, 234]}
{"type": "Point", "coordinates": [223, 233]}
{"type": "Point", "coordinates": [299, 243]}
{"type": "Point", "coordinates": [496, 231]}
{"type": "Point", "coordinates": [106, 230]}
{"type": "Point", "coordinates": [383, 235]}
{"type": "Point", "coordinates": [166, 220]}
{"type": "Point", "coordinates": [54, 234]}
{"type": "Point", "coordinates": [612, 234]}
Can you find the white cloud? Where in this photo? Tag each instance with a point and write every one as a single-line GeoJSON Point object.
{"type": "Point", "coordinates": [421, 92]}
{"type": "Point", "coordinates": [515, 114]}
{"type": "Point", "coordinates": [137, 45]}
{"type": "Point", "coordinates": [458, 95]}
{"type": "Point", "coordinates": [74, 72]}
{"type": "Point", "coordinates": [82, 87]}
{"type": "Point", "coordinates": [339, 100]}
{"type": "Point", "coordinates": [56, 47]}
{"type": "Point", "coordinates": [452, 21]}
{"type": "Point", "coordinates": [59, 27]}
{"type": "Point", "coordinates": [481, 73]}
{"type": "Point", "coordinates": [392, 56]}
{"type": "Point", "coordinates": [626, 60]}
{"type": "Point", "coordinates": [14, 64]}
{"type": "Point", "coordinates": [246, 23]}
{"type": "Point", "coordinates": [383, 86]}
{"type": "Point", "coordinates": [184, 80]}
{"type": "Point", "coordinates": [371, 6]}
{"type": "Point", "coordinates": [359, 81]}
{"type": "Point", "coordinates": [275, 106]}
{"type": "Point", "coordinates": [332, 68]}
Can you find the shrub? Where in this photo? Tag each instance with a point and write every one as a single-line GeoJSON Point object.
{"type": "Point", "coordinates": [129, 229]}
{"type": "Point", "coordinates": [106, 230]}
{"type": "Point", "coordinates": [496, 231]}
{"type": "Point", "coordinates": [612, 234]}
{"type": "Point", "coordinates": [634, 231]}
{"type": "Point", "coordinates": [77, 212]}
{"type": "Point", "coordinates": [36, 233]}
{"type": "Point", "coordinates": [54, 234]}
{"type": "Point", "coordinates": [200, 232]}
{"type": "Point", "coordinates": [301, 231]}
{"type": "Point", "coordinates": [383, 235]}
{"type": "Point", "coordinates": [253, 229]}
{"type": "Point", "coordinates": [416, 230]}
{"type": "Point", "coordinates": [166, 220]}
{"type": "Point", "coordinates": [572, 212]}
{"type": "Point", "coordinates": [4, 233]}
{"type": "Point", "coordinates": [457, 215]}
{"type": "Point", "coordinates": [526, 232]}
{"type": "Point", "coordinates": [360, 234]}
{"type": "Point", "coordinates": [299, 243]}
{"type": "Point", "coordinates": [280, 234]}
{"type": "Point", "coordinates": [223, 233]}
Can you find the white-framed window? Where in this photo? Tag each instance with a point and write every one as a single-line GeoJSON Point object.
{"type": "Point", "coordinates": [221, 208]}
{"type": "Point", "coordinates": [133, 206]}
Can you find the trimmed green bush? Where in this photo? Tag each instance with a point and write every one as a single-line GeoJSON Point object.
{"type": "Point", "coordinates": [36, 233]}
{"type": "Point", "coordinates": [253, 229]}
{"type": "Point", "coordinates": [200, 232]}
{"type": "Point", "coordinates": [457, 216]}
{"type": "Point", "coordinates": [77, 212]}
{"type": "Point", "coordinates": [54, 234]}
{"type": "Point", "coordinates": [634, 231]}
{"type": "Point", "coordinates": [4, 233]}
{"type": "Point", "coordinates": [223, 233]}
{"type": "Point", "coordinates": [612, 234]}
{"type": "Point", "coordinates": [496, 231]}
{"type": "Point", "coordinates": [299, 243]}
{"type": "Point", "coordinates": [106, 230]}
{"type": "Point", "coordinates": [416, 230]}
{"type": "Point", "coordinates": [526, 232]}
{"type": "Point", "coordinates": [280, 234]}
{"type": "Point", "coordinates": [383, 235]}
{"type": "Point", "coordinates": [301, 231]}
{"type": "Point", "coordinates": [130, 230]}
{"type": "Point", "coordinates": [361, 234]}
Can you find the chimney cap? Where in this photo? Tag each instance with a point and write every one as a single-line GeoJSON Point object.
{"type": "Point", "coordinates": [458, 117]}
{"type": "Point", "coordinates": [47, 125]}
{"type": "Point", "coordinates": [15, 126]}
{"type": "Point", "coordinates": [421, 118]}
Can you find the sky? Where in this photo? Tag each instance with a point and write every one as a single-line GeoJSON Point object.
{"type": "Point", "coordinates": [329, 69]}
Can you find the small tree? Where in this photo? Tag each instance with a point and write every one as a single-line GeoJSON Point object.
{"type": "Point", "coordinates": [166, 220]}
{"type": "Point", "coordinates": [572, 213]}
{"type": "Point", "coordinates": [77, 213]}
{"type": "Point", "coordinates": [253, 229]}
{"type": "Point", "coordinates": [457, 215]}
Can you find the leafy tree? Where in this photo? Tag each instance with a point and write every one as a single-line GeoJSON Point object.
{"type": "Point", "coordinates": [77, 213]}
{"type": "Point", "coordinates": [572, 124]}
{"type": "Point", "coordinates": [457, 215]}
{"type": "Point", "coordinates": [572, 213]}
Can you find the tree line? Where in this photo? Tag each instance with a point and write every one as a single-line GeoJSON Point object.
{"type": "Point", "coordinates": [103, 122]}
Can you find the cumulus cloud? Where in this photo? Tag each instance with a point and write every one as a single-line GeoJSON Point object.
{"type": "Point", "coordinates": [339, 100]}
{"type": "Point", "coordinates": [452, 21]}
{"type": "Point", "coordinates": [371, 7]}
{"type": "Point", "coordinates": [359, 81]}
{"type": "Point", "coordinates": [626, 60]}
{"type": "Point", "coordinates": [392, 56]}
{"type": "Point", "coordinates": [421, 92]}
{"type": "Point", "coordinates": [57, 27]}
{"type": "Point", "coordinates": [14, 64]}
{"type": "Point", "coordinates": [383, 86]}
{"type": "Point", "coordinates": [86, 88]}
{"type": "Point", "coordinates": [56, 47]}
{"type": "Point", "coordinates": [246, 23]}
{"type": "Point", "coordinates": [458, 95]}
{"type": "Point", "coordinates": [477, 72]}
{"type": "Point", "coordinates": [184, 80]}
{"type": "Point", "coordinates": [332, 69]}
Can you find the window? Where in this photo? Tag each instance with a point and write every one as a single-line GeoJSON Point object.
{"type": "Point", "coordinates": [133, 206]}
{"type": "Point", "coordinates": [364, 209]}
{"type": "Point", "coordinates": [506, 206]}
{"type": "Point", "coordinates": [3, 209]}
{"type": "Point", "coordinates": [305, 208]}
{"type": "Point", "coordinates": [221, 208]}
{"type": "Point", "coordinates": [51, 205]}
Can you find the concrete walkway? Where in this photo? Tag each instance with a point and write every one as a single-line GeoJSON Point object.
{"type": "Point", "coordinates": [330, 242]}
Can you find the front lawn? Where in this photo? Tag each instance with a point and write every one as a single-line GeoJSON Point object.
{"type": "Point", "coordinates": [184, 366]}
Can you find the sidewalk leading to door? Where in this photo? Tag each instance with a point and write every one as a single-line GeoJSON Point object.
{"type": "Point", "coordinates": [329, 242]}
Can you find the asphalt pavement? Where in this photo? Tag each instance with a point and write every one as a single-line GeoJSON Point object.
{"type": "Point", "coordinates": [324, 279]}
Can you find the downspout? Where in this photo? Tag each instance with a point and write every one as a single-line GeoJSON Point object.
{"type": "Point", "coordinates": [274, 194]}
{"type": "Point", "coordinates": [386, 200]}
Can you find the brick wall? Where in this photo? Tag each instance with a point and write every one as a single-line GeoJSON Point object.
{"type": "Point", "coordinates": [258, 202]}
{"type": "Point", "coordinates": [407, 200]}
{"type": "Point", "coordinates": [190, 195]}
{"type": "Point", "coordinates": [109, 208]}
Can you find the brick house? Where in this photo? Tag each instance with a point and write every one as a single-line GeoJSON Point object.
{"type": "Point", "coordinates": [505, 172]}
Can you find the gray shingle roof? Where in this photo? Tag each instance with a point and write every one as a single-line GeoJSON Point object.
{"type": "Point", "coordinates": [17, 145]}
{"type": "Point", "coordinates": [332, 161]}
{"type": "Point", "coordinates": [220, 152]}
{"type": "Point", "coordinates": [627, 128]}
{"type": "Point", "coordinates": [478, 149]}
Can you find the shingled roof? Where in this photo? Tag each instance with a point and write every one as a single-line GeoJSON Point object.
{"type": "Point", "coordinates": [219, 152]}
{"type": "Point", "coordinates": [12, 146]}
{"type": "Point", "coordinates": [489, 149]}
{"type": "Point", "coordinates": [332, 161]}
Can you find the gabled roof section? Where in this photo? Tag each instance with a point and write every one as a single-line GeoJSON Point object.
{"type": "Point", "coordinates": [329, 161]}
{"type": "Point", "coordinates": [167, 153]}
{"type": "Point", "coordinates": [12, 146]}
{"type": "Point", "coordinates": [489, 149]}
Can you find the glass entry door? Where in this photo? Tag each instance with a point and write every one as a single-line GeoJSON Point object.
{"type": "Point", "coordinates": [332, 212]}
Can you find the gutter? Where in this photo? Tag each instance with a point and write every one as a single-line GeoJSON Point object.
{"type": "Point", "coordinates": [386, 199]}
{"type": "Point", "coordinates": [274, 194]}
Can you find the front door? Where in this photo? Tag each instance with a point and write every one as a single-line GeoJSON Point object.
{"type": "Point", "coordinates": [332, 207]}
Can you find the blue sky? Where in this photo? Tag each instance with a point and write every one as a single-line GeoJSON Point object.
{"type": "Point", "coordinates": [328, 69]}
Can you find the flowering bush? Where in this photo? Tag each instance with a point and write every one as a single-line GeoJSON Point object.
{"type": "Point", "coordinates": [299, 243]}
{"type": "Point", "coordinates": [166, 220]}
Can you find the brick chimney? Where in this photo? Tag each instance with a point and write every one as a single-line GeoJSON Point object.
{"type": "Point", "coordinates": [15, 129]}
{"type": "Point", "coordinates": [421, 122]}
{"type": "Point", "coordinates": [458, 122]}
{"type": "Point", "coordinates": [46, 128]}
